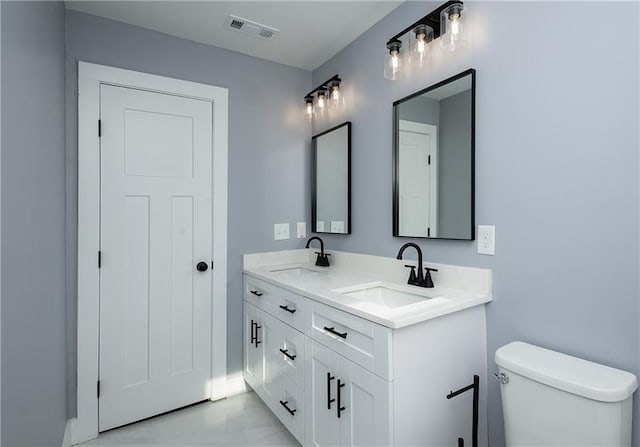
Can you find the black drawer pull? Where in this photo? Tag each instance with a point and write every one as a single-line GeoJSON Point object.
{"type": "Point", "coordinates": [334, 332]}
{"type": "Point", "coordinates": [286, 407]}
{"type": "Point", "coordinates": [257, 341]}
{"type": "Point", "coordinates": [291, 311]}
{"type": "Point", "coordinates": [256, 293]}
{"type": "Point", "coordinates": [340, 407]}
{"type": "Point", "coordinates": [329, 400]}
{"type": "Point", "coordinates": [253, 337]}
{"type": "Point", "coordinates": [286, 352]}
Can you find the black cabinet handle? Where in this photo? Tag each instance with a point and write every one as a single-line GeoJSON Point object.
{"type": "Point", "coordinates": [334, 332]}
{"type": "Point", "coordinates": [256, 293]}
{"type": "Point", "coordinates": [329, 400]}
{"type": "Point", "coordinates": [202, 266]}
{"type": "Point", "coordinates": [253, 337]}
{"type": "Point", "coordinates": [286, 352]}
{"type": "Point", "coordinates": [286, 407]}
{"type": "Point", "coordinates": [340, 407]}
{"type": "Point", "coordinates": [291, 311]}
{"type": "Point", "coordinates": [257, 341]}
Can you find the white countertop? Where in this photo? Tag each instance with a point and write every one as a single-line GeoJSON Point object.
{"type": "Point", "coordinates": [456, 288]}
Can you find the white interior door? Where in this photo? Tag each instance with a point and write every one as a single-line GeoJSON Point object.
{"type": "Point", "coordinates": [418, 179]}
{"type": "Point", "coordinates": [155, 306]}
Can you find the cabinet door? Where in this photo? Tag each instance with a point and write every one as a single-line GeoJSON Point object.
{"type": "Point", "coordinates": [252, 371]}
{"type": "Point", "coordinates": [268, 335]}
{"type": "Point", "coordinates": [367, 418]}
{"type": "Point", "coordinates": [323, 369]}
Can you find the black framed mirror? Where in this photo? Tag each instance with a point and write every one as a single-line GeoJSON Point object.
{"type": "Point", "coordinates": [331, 180]}
{"type": "Point", "coordinates": [434, 161]}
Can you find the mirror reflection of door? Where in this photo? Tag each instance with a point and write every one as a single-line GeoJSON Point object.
{"type": "Point", "coordinates": [418, 194]}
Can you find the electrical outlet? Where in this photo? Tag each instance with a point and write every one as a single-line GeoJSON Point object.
{"type": "Point", "coordinates": [281, 231]}
{"type": "Point", "coordinates": [486, 240]}
{"type": "Point", "coordinates": [302, 230]}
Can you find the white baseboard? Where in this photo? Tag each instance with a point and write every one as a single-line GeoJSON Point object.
{"type": "Point", "coordinates": [236, 386]}
{"type": "Point", "coordinates": [67, 439]}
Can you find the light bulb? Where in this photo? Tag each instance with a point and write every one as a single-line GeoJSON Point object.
{"type": "Point", "coordinates": [420, 45]}
{"type": "Point", "coordinates": [321, 100]}
{"type": "Point", "coordinates": [395, 61]}
{"type": "Point", "coordinates": [455, 25]}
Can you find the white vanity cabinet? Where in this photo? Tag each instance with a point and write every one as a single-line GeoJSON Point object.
{"type": "Point", "coordinates": [346, 404]}
{"type": "Point", "coordinates": [337, 379]}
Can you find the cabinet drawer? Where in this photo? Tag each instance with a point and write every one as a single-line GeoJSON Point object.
{"type": "Point", "coordinates": [292, 354]}
{"type": "Point", "coordinates": [288, 307]}
{"type": "Point", "coordinates": [257, 292]}
{"type": "Point", "coordinates": [365, 343]}
{"type": "Point", "coordinates": [291, 405]}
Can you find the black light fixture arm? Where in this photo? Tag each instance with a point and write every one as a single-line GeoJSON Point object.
{"type": "Point", "coordinates": [432, 19]}
{"type": "Point", "coordinates": [324, 86]}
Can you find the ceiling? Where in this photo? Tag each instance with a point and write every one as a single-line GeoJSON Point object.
{"type": "Point", "coordinates": [311, 32]}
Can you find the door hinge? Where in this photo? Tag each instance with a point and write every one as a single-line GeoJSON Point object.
{"type": "Point", "coordinates": [99, 259]}
{"type": "Point", "coordinates": [428, 231]}
{"type": "Point", "coordinates": [99, 128]}
{"type": "Point", "coordinates": [98, 389]}
{"type": "Point", "coordinates": [429, 160]}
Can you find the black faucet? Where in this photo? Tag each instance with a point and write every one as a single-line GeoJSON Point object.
{"type": "Point", "coordinates": [420, 279]}
{"type": "Point", "coordinates": [323, 259]}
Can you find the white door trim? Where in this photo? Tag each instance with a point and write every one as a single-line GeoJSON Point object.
{"type": "Point", "coordinates": [90, 76]}
{"type": "Point", "coordinates": [423, 128]}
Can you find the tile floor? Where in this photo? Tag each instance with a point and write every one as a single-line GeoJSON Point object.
{"type": "Point", "coordinates": [242, 420]}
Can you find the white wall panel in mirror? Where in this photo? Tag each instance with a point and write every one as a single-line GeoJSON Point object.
{"type": "Point", "coordinates": [331, 181]}
{"type": "Point", "coordinates": [434, 161]}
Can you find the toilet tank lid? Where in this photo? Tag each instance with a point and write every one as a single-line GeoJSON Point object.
{"type": "Point", "coordinates": [571, 374]}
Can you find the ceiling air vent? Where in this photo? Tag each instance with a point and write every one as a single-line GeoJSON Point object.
{"type": "Point", "coordinates": [251, 28]}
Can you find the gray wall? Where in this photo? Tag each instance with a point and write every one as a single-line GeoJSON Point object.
{"type": "Point", "coordinates": [420, 110]}
{"type": "Point", "coordinates": [557, 170]}
{"type": "Point", "coordinates": [454, 166]}
{"type": "Point", "coordinates": [269, 142]}
{"type": "Point", "coordinates": [33, 224]}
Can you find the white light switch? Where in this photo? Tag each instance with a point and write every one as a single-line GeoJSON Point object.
{"type": "Point", "coordinates": [486, 240]}
{"type": "Point", "coordinates": [281, 231]}
{"type": "Point", "coordinates": [302, 230]}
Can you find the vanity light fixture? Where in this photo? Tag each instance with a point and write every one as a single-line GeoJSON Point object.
{"type": "Point", "coordinates": [444, 22]}
{"type": "Point", "coordinates": [320, 98]}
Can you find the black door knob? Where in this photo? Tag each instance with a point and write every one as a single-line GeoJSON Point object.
{"type": "Point", "coordinates": [202, 266]}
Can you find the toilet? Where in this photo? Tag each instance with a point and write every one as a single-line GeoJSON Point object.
{"type": "Point", "coordinates": [553, 399]}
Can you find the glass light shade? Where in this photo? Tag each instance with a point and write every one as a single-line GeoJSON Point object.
{"type": "Point", "coordinates": [321, 104]}
{"type": "Point", "coordinates": [452, 28]}
{"type": "Point", "coordinates": [308, 107]}
{"type": "Point", "coordinates": [321, 100]}
{"type": "Point", "coordinates": [420, 40]}
{"type": "Point", "coordinates": [335, 93]}
{"type": "Point", "coordinates": [393, 62]}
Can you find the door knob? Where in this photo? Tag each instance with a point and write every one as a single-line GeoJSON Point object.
{"type": "Point", "coordinates": [202, 266]}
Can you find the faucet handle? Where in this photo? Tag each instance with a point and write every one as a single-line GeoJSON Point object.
{"type": "Point", "coordinates": [412, 275]}
{"type": "Point", "coordinates": [428, 282]}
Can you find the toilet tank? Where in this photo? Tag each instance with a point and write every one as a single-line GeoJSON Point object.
{"type": "Point", "coordinates": [553, 399]}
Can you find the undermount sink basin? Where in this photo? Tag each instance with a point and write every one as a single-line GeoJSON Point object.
{"type": "Point", "coordinates": [294, 271]}
{"type": "Point", "coordinates": [385, 294]}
